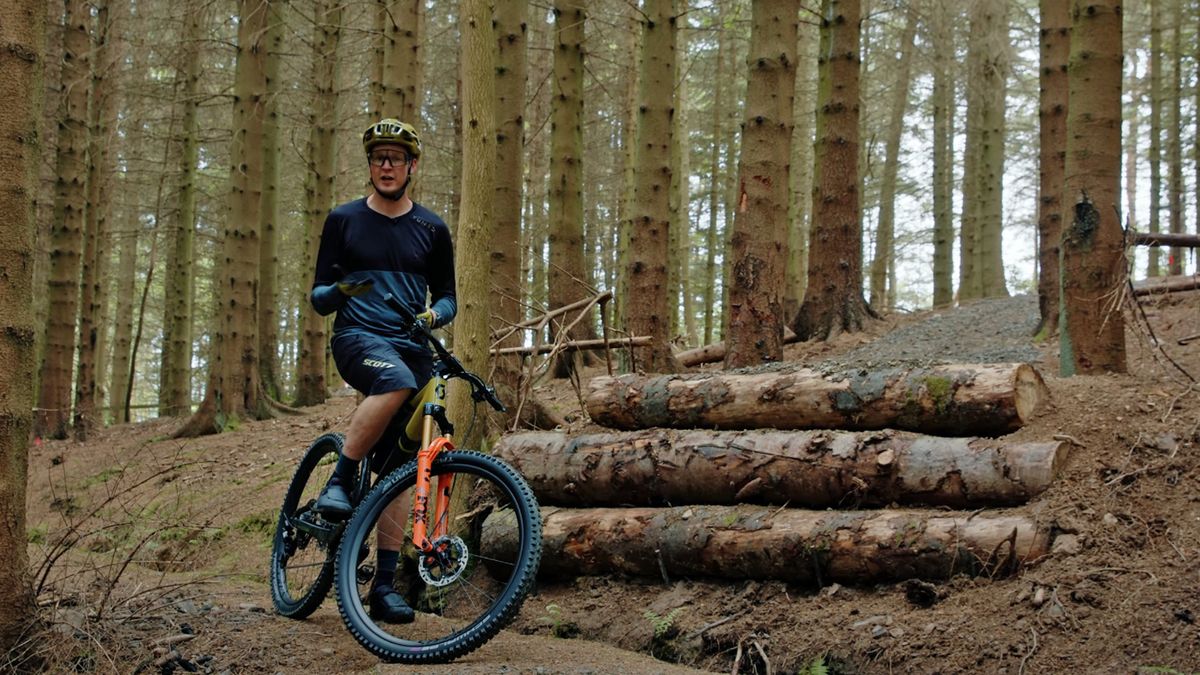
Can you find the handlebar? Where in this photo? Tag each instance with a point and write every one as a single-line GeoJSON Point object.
{"type": "Point", "coordinates": [480, 391]}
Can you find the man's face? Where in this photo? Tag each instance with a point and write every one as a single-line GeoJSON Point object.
{"type": "Point", "coordinates": [390, 169]}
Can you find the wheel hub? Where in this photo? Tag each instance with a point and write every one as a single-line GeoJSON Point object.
{"type": "Point", "coordinates": [444, 564]}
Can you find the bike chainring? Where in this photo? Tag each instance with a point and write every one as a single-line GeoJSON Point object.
{"type": "Point", "coordinates": [445, 563]}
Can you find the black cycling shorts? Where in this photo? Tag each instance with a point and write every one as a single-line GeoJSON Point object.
{"type": "Point", "coordinates": [372, 365]}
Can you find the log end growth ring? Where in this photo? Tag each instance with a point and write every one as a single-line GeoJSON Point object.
{"type": "Point", "coordinates": [1031, 392]}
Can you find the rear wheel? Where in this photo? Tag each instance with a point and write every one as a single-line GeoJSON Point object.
{"type": "Point", "coordinates": [302, 556]}
{"type": "Point", "coordinates": [475, 587]}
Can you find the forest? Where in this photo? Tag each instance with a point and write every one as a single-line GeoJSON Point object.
{"type": "Point", "coordinates": [672, 181]}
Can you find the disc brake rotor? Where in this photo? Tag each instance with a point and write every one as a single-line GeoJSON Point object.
{"type": "Point", "coordinates": [445, 563]}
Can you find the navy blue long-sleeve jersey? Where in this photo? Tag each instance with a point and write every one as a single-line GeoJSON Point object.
{"type": "Point", "coordinates": [405, 256]}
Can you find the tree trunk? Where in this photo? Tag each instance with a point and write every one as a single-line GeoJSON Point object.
{"type": "Point", "coordinates": [966, 399]}
{"type": "Point", "coordinates": [127, 275]}
{"type": "Point", "coordinates": [1092, 325]}
{"type": "Point", "coordinates": [759, 243]}
{"type": "Point", "coordinates": [755, 542]}
{"type": "Point", "coordinates": [54, 397]}
{"type": "Point", "coordinates": [22, 29]}
{"type": "Point", "coordinates": [233, 391]}
{"type": "Point", "coordinates": [885, 237]}
{"type": "Point", "coordinates": [1156, 119]}
{"type": "Point", "coordinates": [647, 301]}
{"type": "Point", "coordinates": [834, 301]}
{"type": "Point", "coordinates": [311, 383]}
{"type": "Point", "coordinates": [93, 296]}
{"type": "Point", "coordinates": [801, 170]}
{"type": "Point", "coordinates": [631, 42]}
{"type": "Point", "coordinates": [1052, 114]}
{"type": "Point", "coordinates": [942, 39]}
{"type": "Point", "coordinates": [268, 245]}
{"type": "Point", "coordinates": [993, 80]}
{"type": "Point", "coordinates": [403, 75]}
{"type": "Point", "coordinates": [712, 234]}
{"type": "Point", "coordinates": [811, 469]}
{"type": "Point", "coordinates": [175, 391]}
{"type": "Point", "coordinates": [681, 221]}
{"type": "Point", "coordinates": [1175, 140]}
{"type": "Point", "coordinates": [567, 277]}
{"type": "Point", "coordinates": [474, 236]}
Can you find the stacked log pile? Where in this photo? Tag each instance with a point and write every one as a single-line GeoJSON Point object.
{"type": "Point", "coordinates": [729, 499]}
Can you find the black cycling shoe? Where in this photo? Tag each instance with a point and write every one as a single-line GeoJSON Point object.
{"type": "Point", "coordinates": [334, 503]}
{"type": "Point", "coordinates": [387, 605]}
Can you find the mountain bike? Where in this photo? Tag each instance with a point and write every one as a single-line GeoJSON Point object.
{"type": "Point", "coordinates": [463, 590]}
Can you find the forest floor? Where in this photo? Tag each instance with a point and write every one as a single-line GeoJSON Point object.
{"type": "Point", "coordinates": [137, 538]}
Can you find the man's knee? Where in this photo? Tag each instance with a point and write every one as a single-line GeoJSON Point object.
{"type": "Point", "coordinates": [391, 400]}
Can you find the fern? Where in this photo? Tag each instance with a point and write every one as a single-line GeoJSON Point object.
{"type": "Point", "coordinates": [662, 624]}
{"type": "Point", "coordinates": [815, 667]}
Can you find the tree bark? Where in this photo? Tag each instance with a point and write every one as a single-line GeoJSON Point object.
{"type": "Point", "coordinates": [322, 141]}
{"type": "Point", "coordinates": [1092, 325]}
{"type": "Point", "coordinates": [566, 274]}
{"type": "Point", "coordinates": [983, 399]}
{"type": "Point", "coordinates": [403, 76]}
{"type": "Point", "coordinates": [474, 235]}
{"type": "Point", "coordinates": [942, 39]}
{"type": "Point", "coordinates": [993, 79]}
{"type": "Point", "coordinates": [647, 301]}
{"type": "Point", "coordinates": [22, 34]}
{"type": "Point", "coordinates": [268, 243]}
{"type": "Point", "coordinates": [812, 469]}
{"type": "Point", "coordinates": [54, 397]}
{"type": "Point", "coordinates": [885, 237]}
{"type": "Point", "coordinates": [755, 542]}
{"type": "Point", "coordinates": [233, 391]}
{"type": "Point", "coordinates": [1175, 140]}
{"type": "Point", "coordinates": [1156, 115]}
{"type": "Point", "coordinates": [175, 392]}
{"type": "Point", "coordinates": [1052, 115]}
{"type": "Point", "coordinates": [834, 300]}
{"type": "Point", "coordinates": [716, 351]}
{"type": "Point", "coordinates": [97, 240]}
{"type": "Point", "coordinates": [759, 241]}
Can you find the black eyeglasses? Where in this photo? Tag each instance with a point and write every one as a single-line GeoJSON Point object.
{"type": "Point", "coordinates": [393, 159]}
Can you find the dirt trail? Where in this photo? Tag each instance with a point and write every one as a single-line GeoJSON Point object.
{"type": "Point", "coordinates": [184, 529]}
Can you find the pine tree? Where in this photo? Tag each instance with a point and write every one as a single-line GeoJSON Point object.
{"type": "Point", "coordinates": [1092, 326]}
{"type": "Point", "coordinates": [760, 230]}
{"type": "Point", "coordinates": [1052, 114]}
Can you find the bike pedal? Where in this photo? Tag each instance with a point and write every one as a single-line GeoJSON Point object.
{"type": "Point", "coordinates": [364, 574]}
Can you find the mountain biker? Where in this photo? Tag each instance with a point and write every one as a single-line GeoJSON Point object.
{"type": "Point", "coordinates": [383, 243]}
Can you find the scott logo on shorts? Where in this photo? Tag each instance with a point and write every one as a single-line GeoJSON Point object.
{"type": "Point", "coordinates": [377, 364]}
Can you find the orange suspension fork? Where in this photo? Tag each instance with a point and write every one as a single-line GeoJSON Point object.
{"type": "Point", "coordinates": [425, 458]}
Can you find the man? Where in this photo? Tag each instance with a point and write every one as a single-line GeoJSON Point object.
{"type": "Point", "coordinates": [383, 243]}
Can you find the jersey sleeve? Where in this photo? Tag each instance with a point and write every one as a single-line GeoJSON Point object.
{"type": "Point", "coordinates": [325, 298]}
{"type": "Point", "coordinates": [441, 278]}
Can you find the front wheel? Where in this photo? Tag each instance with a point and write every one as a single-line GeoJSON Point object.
{"type": "Point", "coordinates": [302, 554]}
{"type": "Point", "coordinates": [490, 558]}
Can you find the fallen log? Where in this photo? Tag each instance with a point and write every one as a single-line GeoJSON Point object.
{"type": "Point", "coordinates": [1165, 239]}
{"type": "Point", "coordinates": [754, 542]}
{"type": "Point", "coordinates": [810, 468]}
{"type": "Point", "coordinates": [716, 351]}
{"type": "Point", "coordinates": [953, 400]}
{"type": "Point", "coordinates": [1185, 282]}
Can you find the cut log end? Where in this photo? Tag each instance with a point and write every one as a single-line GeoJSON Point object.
{"type": "Point", "coordinates": [1031, 392]}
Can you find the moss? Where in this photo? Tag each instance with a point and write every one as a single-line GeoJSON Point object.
{"type": "Point", "coordinates": [941, 390]}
